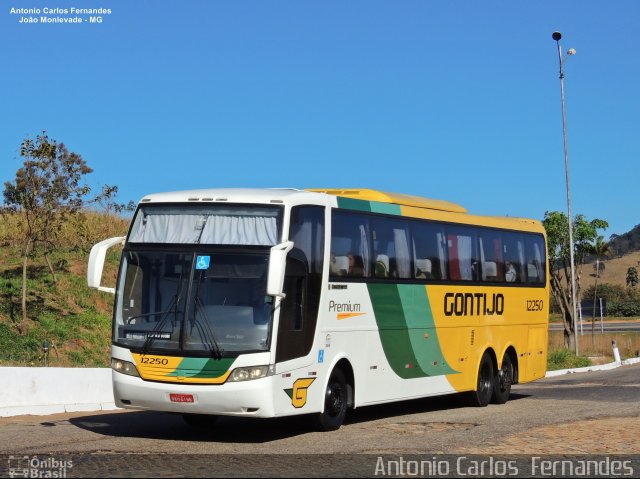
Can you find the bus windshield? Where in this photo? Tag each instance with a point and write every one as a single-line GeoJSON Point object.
{"type": "Point", "coordinates": [201, 302]}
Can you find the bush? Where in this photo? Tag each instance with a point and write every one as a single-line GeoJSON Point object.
{"type": "Point", "coordinates": [625, 308]}
{"type": "Point", "coordinates": [610, 292]}
{"type": "Point", "coordinates": [565, 359]}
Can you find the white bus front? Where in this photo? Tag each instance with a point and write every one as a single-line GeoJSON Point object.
{"type": "Point", "coordinates": [192, 309]}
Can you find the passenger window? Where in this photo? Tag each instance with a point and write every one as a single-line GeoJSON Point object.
{"type": "Point", "coordinates": [391, 248]}
{"type": "Point", "coordinates": [536, 261]}
{"type": "Point", "coordinates": [463, 255]}
{"type": "Point", "coordinates": [350, 252]}
{"type": "Point", "coordinates": [513, 249]}
{"type": "Point", "coordinates": [490, 243]}
{"type": "Point", "coordinates": [429, 251]}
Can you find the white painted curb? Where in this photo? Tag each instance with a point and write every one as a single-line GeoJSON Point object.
{"type": "Point", "coordinates": [41, 391]}
{"type": "Point", "coordinates": [602, 367]}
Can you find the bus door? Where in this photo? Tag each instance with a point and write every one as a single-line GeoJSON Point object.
{"type": "Point", "coordinates": [302, 284]}
{"type": "Point", "coordinates": [299, 308]}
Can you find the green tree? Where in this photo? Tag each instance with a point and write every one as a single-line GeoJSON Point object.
{"type": "Point", "coordinates": [584, 234]}
{"type": "Point", "coordinates": [46, 190]}
{"type": "Point", "coordinates": [632, 277]}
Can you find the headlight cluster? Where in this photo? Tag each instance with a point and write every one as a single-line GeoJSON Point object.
{"type": "Point", "coordinates": [124, 367]}
{"type": "Point", "coordinates": [253, 372]}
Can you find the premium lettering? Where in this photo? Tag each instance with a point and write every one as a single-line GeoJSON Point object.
{"type": "Point", "coordinates": [344, 307]}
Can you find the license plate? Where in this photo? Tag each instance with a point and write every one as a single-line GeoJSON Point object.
{"type": "Point", "coordinates": [181, 398]}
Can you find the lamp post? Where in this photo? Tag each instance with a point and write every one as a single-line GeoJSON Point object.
{"type": "Point", "coordinates": [45, 350]}
{"type": "Point", "coordinates": [557, 36]}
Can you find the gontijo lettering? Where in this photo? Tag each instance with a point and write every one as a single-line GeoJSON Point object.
{"type": "Point", "coordinates": [473, 304]}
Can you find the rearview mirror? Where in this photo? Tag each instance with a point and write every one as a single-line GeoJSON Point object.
{"type": "Point", "coordinates": [277, 264]}
{"type": "Point", "coordinates": [96, 263]}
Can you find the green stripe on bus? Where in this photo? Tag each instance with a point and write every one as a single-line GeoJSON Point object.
{"type": "Point", "coordinates": [422, 330]}
{"type": "Point", "coordinates": [202, 367]}
{"type": "Point", "coordinates": [385, 208]}
{"type": "Point", "coordinates": [393, 331]}
{"type": "Point", "coordinates": [368, 206]}
{"type": "Point", "coordinates": [351, 204]}
{"type": "Point", "coordinates": [403, 315]}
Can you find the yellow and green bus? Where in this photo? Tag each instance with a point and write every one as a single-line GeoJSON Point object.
{"type": "Point", "coordinates": [278, 302]}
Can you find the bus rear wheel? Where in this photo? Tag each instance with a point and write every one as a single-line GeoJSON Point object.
{"type": "Point", "coordinates": [485, 383]}
{"type": "Point", "coordinates": [335, 403]}
{"type": "Point", "coordinates": [503, 381]}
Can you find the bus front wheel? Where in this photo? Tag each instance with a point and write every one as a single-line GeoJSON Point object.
{"type": "Point", "coordinates": [485, 383]}
{"type": "Point", "coordinates": [335, 403]}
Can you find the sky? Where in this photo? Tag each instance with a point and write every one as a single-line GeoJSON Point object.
{"type": "Point", "coordinates": [453, 100]}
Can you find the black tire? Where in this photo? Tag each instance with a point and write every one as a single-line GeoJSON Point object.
{"type": "Point", "coordinates": [200, 421]}
{"type": "Point", "coordinates": [335, 403]}
{"type": "Point", "coordinates": [484, 384]}
{"type": "Point", "coordinates": [503, 381]}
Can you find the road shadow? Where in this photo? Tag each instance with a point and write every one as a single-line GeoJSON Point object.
{"type": "Point", "coordinates": [167, 426]}
{"type": "Point", "coordinates": [413, 406]}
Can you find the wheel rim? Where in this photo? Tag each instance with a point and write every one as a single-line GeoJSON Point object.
{"type": "Point", "coordinates": [484, 379]}
{"type": "Point", "coordinates": [334, 399]}
{"type": "Point", "coordinates": [506, 375]}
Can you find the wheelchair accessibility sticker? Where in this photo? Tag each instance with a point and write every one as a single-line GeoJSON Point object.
{"type": "Point", "coordinates": [202, 262]}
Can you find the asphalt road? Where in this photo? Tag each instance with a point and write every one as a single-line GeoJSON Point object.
{"type": "Point", "coordinates": [608, 326]}
{"type": "Point", "coordinates": [595, 412]}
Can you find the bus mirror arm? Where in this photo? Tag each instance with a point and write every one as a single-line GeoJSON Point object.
{"type": "Point", "coordinates": [277, 266]}
{"type": "Point", "coordinates": [96, 263]}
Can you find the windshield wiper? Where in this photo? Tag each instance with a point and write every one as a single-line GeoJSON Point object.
{"type": "Point", "coordinates": [153, 334]}
{"type": "Point", "coordinates": [206, 333]}
{"type": "Point", "coordinates": [173, 308]}
{"type": "Point", "coordinates": [208, 338]}
{"type": "Point", "coordinates": [154, 313]}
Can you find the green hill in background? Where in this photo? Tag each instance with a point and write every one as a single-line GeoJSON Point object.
{"type": "Point", "coordinates": [73, 319]}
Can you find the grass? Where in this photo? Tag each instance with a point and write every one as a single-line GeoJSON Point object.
{"type": "Point", "coordinates": [565, 359]}
{"type": "Point", "coordinates": [73, 319]}
{"type": "Point", "coordinates": [596, 349]}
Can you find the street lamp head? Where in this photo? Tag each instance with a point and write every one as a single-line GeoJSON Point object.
{"type": "Point", "coordinates": [571, 51]}
{"type": "Point", "coordinates": [556, 36]}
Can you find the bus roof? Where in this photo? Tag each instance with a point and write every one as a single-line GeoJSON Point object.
{"type": "Point", "coordinates": [394, 198]}
{"type": "Point", "coordinates": [413, 206]}
{"type": "Point", "coordinates": [419, 207]}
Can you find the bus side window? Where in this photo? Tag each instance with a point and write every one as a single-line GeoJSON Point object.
{"type": "Point", "coordinates": [513, 249]}
{"type": "Point", "coordinates": [429, 254]}
{"type": "Point", "coordinates": [463, 254]}
{"type": "Point", "coordinates": [350, 238]}
{"type": "Point", "coordinates": [491, 256]}
{"type": "Point", "coordinates": [391, 247]}
{"type": "Point", "coordinates": [536, 261]}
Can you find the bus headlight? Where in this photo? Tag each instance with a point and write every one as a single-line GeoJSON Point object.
{"type": "Point", "coordinates": [253, 372]}
{"type": "Point", "coordinates": [124, 367]}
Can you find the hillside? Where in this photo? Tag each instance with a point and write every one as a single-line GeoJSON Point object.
{"type": "Point", "coordinates": [615, 270]}
{"type": "Point", "coordinates": [73, 319]}
{"type": "Point", "coordinates": [626, 243]}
